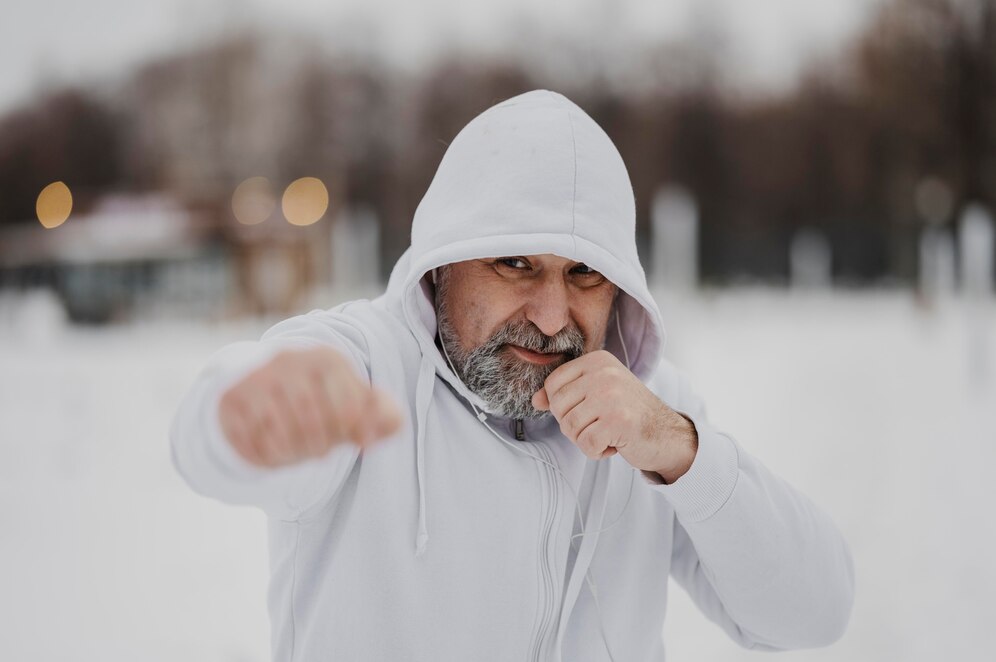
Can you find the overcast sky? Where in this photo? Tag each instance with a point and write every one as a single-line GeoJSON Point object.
{"type": "Point", "coordinates": [44, 42]}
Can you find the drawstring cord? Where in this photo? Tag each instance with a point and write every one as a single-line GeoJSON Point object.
{"type": "Point", "coordinates": [423, 395]}
{"type": "Point", "coordinates": [482, 417]}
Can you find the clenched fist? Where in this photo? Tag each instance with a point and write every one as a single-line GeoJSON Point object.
{"type": "Point", "coordinates": [604, 409]}
{"type": "Point", "coordinates": [300, 404]}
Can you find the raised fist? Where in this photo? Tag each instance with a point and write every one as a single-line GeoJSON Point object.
{"type": "Point", "coordinates": [300, 404]}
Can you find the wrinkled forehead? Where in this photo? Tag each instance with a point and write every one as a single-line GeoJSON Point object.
{"type": "Point", "coordinates": [437, 282]}
{"type": "Point", "coordinates": [543, 259]}
{"type": "Point", "coordinates": [537, 260]}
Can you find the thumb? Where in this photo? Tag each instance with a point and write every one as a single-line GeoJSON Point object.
{"type": "Point", "coordinates": [378, 417]}
{"type": "Point", "coordinates": [540, 401]}
{"type": "Point", "coordinates": [386, 414]}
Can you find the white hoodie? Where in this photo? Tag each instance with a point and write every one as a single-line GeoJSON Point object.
{"type": "Point", "coordinates": [453, 541]}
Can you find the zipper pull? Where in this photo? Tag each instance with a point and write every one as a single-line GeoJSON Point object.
{"type": "Point", "coordinates": [520, 433]}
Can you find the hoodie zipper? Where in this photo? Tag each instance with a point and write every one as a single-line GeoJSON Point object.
{"type": "Point", "coordinates": [548, 608]}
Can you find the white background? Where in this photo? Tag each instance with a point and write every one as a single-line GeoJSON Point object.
{"type": "Point", "coordinates": [869, 403]}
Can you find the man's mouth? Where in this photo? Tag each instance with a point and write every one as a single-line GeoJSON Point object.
{"type": "Point", "coordinates": [539, 358]}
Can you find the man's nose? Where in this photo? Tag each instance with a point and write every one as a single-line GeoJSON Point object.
{"type": "Point", "coordinates": [549, 308]}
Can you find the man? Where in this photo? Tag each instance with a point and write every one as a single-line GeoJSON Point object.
{"type": "Point", "coordinates": [532, 468]}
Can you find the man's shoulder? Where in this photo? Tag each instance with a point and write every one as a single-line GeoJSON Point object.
{"type": "Point", "coordinates": [375, 320]}
{"type": "Point", "coordinates": [365, 322]}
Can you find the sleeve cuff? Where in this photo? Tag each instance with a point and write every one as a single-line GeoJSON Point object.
{"type": "Point", "coordinates": [220, 451]}
{"type": "Point", "coordinates": [709, 482]}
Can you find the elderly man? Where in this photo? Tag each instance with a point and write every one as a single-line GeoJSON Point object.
{"type": "Point", "coordinates": [493, 460]}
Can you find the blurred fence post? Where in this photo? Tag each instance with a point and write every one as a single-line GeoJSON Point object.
{"type": "Point", "coordinates": [810, 260]}
{"type": "Point", "coordinates": [937, 264]}
{"type": "Point", "coordinates": [355, 251]}
{"type": "Point", "coordinates": [675, 224]}
{"type": "Point", "coordinates": [975, 244]}
{"type": "Point", "coordinates": [975, 238]}
{"type": "Point", "coordinates": [272, 278]}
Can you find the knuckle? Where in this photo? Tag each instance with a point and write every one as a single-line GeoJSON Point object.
{"type": "Point", "coordinates": [311, 426]}
{"type": "Point", "coordinates": [570, 419]}
{"type": "Point", "coordinates": [273, 435]}
{"type": "Point", "coordinates": [351, 410]}
{"type": "Point", "coordinates": [330, 359]}
{"type": "Point", "coordinates": [344, 430]}
{"type": "Point", "coordinates": [283, 359]}
{"type": "Point", "coordinates": [587, 441]}
{"type": "Point", "coordinates": [332, 428]}
{"type": "Point", "coordinates": [584, 441]}
{"type": "Point", "coordinates": [265, 458]}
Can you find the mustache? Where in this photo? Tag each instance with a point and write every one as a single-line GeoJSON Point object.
{"type": "Point", "coordinates": [569, 341]}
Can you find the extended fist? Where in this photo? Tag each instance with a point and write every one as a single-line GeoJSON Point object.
{"type": "Point", "coordinates": [300, 404]}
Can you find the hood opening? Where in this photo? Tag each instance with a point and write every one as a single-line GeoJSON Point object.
{"type": "Point", "coordinates": [533, 174]}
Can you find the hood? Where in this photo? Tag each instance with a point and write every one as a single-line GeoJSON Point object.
{"type": "Point", "coordinates": [533, 174]}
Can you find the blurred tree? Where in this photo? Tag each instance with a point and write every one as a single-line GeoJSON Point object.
{"type": "Point", "coordinates": [433, 111]}
{"type": "Point", "coordinates": [68, 136]}
{"type": "Point", "coordinates": [925, 76]}
{"type": "Point", "coordinates": [913, 98]}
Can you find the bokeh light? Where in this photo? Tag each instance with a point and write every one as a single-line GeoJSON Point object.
{"type": "Point", "coordinates": [305, 201]}
{"type": "Point", "coordinates": [54, 204]}
{"type": "Point", "coordinates": [253, 201]}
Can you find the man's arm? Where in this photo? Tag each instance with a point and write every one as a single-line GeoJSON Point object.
{"type": "Point", "coordinates": [206, 457]}
{"type": "Point", "coordinates": [755, 554]}
{"type": "Point", "coordinates": [681, 430]}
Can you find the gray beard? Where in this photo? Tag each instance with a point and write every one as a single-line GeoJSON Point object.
{"type": "Point", "coordinates": [505, 383]}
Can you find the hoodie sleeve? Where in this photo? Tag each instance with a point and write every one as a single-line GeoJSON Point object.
{"type": "Point", "coordinates": [210, 464]}
{"type": "Point", "coordinates": [756, 555]}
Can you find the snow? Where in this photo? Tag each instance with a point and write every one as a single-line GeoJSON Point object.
{"type": "Point", "coordinates": [869, 403]}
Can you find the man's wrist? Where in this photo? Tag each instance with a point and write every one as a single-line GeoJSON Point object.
{"type": "Point", "coordinates": [682, 434]}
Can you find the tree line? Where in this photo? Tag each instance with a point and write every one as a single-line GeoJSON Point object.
{"type": "Point", "coordinates": [847, 151]}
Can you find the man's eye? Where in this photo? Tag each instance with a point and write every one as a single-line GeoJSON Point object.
{"type": "Point", "coordinates": [513, 262]}
{"type": "Point", "coordinates": [584, 270]}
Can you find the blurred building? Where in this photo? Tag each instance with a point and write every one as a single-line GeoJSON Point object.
{"type": "Point", "coordinates": [126, 256]}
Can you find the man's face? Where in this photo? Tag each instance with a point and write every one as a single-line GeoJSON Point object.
{"type": "Point", "coordinates": [507, 323]}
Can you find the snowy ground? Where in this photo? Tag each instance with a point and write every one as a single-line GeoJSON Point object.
{"type": "Point", "coordinates": [882, 411]}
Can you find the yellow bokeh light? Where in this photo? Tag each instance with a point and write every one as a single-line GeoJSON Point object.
{"type": "Point", "coordinates": [305, 201]}
{"type": "Point", "coordinates": [54, 204]}
{"type": "Point", "coordinates": [253, 201]}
